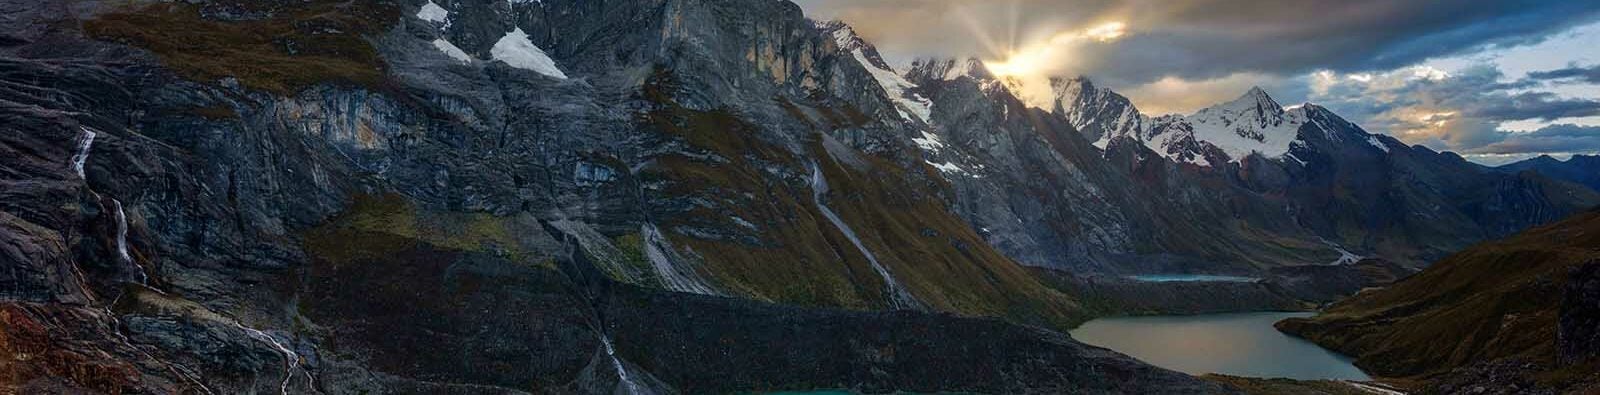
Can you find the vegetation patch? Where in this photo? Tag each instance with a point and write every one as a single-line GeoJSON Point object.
{"type": "Point", "coordinates": [800, 257]}
{"type": "Point", "coordinates": [391, 223]}
{"type": "Point", "coordinates": [796, 260]}
{"type": "Point", "coordinates": [292, 45]}
{"type": "Point", "coordinates": [1498, 301]}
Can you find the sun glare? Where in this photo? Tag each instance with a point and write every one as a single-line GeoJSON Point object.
{"type": "Point", "coordinates": [1106, 32]}
{"type": "Point", "coordinates": [1040, 57]}
{"type": "Point", "coordinates": [1029, 67]}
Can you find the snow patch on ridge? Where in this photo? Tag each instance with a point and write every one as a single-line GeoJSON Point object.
{"type": "Point", "coordinates": [517, 51]}
{"type": "Point", "coordinates": [432, 12]}
{"type": "Point", "coordinates": [1377, 142]}
{"type": "Point", "coordinates": [451, 50]}
{"type": "Point", "coordinates": [899, 90]}
{"type": "Point", "coordinates": [947, 167]}
{"type": "Point", "coordinates": [928, 142]}
{"type": "Point", "coordinates": [910, 105]}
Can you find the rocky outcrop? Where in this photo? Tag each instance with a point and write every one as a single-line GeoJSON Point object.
{"type": "Point", "coordinates": [1578, 332]}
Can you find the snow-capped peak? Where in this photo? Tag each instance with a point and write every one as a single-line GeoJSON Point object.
{"type": "Point", "coordinates": [1254, 103]}
{"type": "Point", "coordinates": [948, 69]}
{"type": "Point", "coordinates": [1097, 113]}
{"type": "Point", "coordinates": [901, 92]}
{"type": "Point", "coordinates": [1252, 123]}
{"type": "Point", "coordinates": [845, 37]}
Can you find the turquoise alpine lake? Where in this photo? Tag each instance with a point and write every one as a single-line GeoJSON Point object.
{"type": "Point", "coordinates": [1241, 344]}
{"type": "Point", "coordinates": [1167, 278]}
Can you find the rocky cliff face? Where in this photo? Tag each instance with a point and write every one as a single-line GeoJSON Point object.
{"type": "Point", "coordinates": [440, 196]}
{"type": "Point", "coordinates": [568, 196]}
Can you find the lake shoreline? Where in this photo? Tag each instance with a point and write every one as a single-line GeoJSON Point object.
{"type": "Point", "coordinates": [1237, 344]}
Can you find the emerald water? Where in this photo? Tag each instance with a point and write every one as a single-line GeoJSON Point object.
{"type": "Point", "coordinates": [1167, 278]}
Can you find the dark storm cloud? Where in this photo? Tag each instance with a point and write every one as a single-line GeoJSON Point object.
{"type": "Point", "coordinates": [1560, 138]}
{"type": "Point", "coordinates": [1544, 106]}
{"type": "Point", "coordinates": [1214, 38]}
{"type": "Point", "coordinates": [1589, 74]}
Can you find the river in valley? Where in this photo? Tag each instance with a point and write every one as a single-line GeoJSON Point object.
{"type": "Point", "coordinates": [1240, 344]}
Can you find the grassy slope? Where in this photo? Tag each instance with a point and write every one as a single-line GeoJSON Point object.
{"type": "Point", "coordinates": [801, 258]}
{"type": "Point", "coordinates": [1495, 301]}
{"type": "Point", "coordinates": [300, 45]}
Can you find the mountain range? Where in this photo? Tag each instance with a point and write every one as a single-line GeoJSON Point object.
{"type": "Point", "coordinates": [1581, 169]}
{"type": "Point", "coordinates": [648, 196]}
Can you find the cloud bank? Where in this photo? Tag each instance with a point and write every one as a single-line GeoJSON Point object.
{"type": "Point", "coordinates": [1208, 39]}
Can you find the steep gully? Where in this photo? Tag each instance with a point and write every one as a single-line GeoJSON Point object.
{"type": "Point", "coordinates": [899, 298]}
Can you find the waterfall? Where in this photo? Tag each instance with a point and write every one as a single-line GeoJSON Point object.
{"type": "Point", "coordinates": [622, 372]}
{"type": "Point", "coordinates": [656, 250]}
{"type": "Point", "coordinates": [899, 298]}
{"type": "Point", "coordinates": [83, 151]}
{"type": "Point", "coordinates": [122, 243]}
{"type": "Point", "coordinates": [291, 360]}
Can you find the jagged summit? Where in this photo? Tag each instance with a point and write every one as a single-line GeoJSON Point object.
{"type": "Point", "coordinates": [846, 38]}
{"type": "Point", "coordinates": [1255, 100]}
{"type": "Point", "coordinates": [1096, 112]}
{"type": "Point", "coordinates": [946, 69]}
{"type": "Point", "coordinates": [1253, 123]}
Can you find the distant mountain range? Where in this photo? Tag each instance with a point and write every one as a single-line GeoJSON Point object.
{"type": "Point", "coordinates": [1581, 169]}
{"type": "Point", "coordinates": [1091, 184]}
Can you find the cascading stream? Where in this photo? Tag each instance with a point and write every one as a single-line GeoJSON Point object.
{"type": "Point", "coordinates": [899, 298]}
{"type": "Point", "coordinates": [291, 359]}
{"type": "Point", "coordinates": [626, 381]}
{"type": "Point", "coordinates": [122, 243]}
{"type": "Point", "coordinates": [83, 151]}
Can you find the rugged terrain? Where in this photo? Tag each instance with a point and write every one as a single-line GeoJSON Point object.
{"type": "Point", "coordinates": [649, 196]}
{"type": "Point", "coordinates": [1506, 316]}
{"type": "Point", "coordinates": [329, 197]}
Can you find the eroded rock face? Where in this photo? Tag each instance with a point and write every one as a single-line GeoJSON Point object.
{"type": "Point", "coordinates": [1578, 335]}
{"type": "Point", "coordinates": [344, 206]}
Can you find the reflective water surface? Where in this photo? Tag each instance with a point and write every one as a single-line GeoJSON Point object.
{"type": "Point", "coordinates": [1164, 278]}
{"type": "Point", "coordinates": [1243, 344]}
